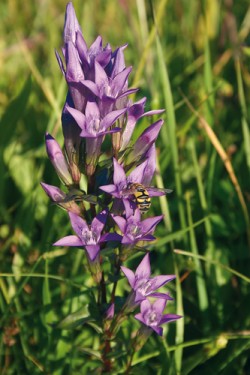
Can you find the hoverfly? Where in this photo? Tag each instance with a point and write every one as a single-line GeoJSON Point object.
{"type": "Point", "coordinates": [142, 195]}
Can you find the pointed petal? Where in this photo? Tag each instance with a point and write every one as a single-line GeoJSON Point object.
{"type": "Point", "coordinates": [159, 305]}
{"type": "Point", "coordinates": [92, 251]}
{"type": "Point", "coordinates": [158, 330]}
{"type": "Point", "coordinates": [129, 275]}
{"type": "Point", "coordinates": [98, 222]}
{"type": "Point", "coordinates": [110, 237]}
{"type": "Point", "coordinates": [120, 80]}
{"type": "Point", "coordinates": [145, 306]}
{"type": "Point", "coordinates": [121, 222]}
{"type": "Point", "coordinates": [169, 318]}
{"type": "Point", "coordinates": [71, 25]}
{"type": "Point", "coordinates": [149, 224]}
{"type": "Point", "coordinates": [111, 117]}
{"type": "Point", "coordinates": [148, 237]}
{"type": "Point", "coordinates": [144, 270]}
{"type": "Point", "coordinates": [69, 241]}
{"type": "Point", "coordinates": [137, 174]}
{"type": "Point", "coordinates": [161, 295]}
{"type": "Point", "coordinates": [91, 86]}
{"type": "Point", "coordinates": [78, 224]}
{"type": "Point", "coordinates": [78, 116]}
{"type": "Point", "coordinates": [162, 280]}
{"type": "Point", "coordinates": [119, 177]}
{"type": "Point", "coordinates": [139, 317]}
{"type": "Point", "coordinates": [111, 189]}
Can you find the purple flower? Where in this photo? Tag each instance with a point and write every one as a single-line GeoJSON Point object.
{"type": "Point", "coordinates": [58, 160]}
{"type": "Point", "coordinates": [135, 230]}
{"type": "Point", "coordinates": [136, 112]}
{"type": "Point", "coordinates": [58, 196]}
{"type": "Point", "coordinates": [87, 236]}
{"type": "Point", "coordinates": [121, 182]}
{"type": "Point", "coordinates": [142, 284]}
{"type": "Point", "coordinates": [152, 315]}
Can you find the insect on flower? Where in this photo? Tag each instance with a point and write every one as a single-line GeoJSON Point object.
{"type": "Point", "coordinates": [142, 194]}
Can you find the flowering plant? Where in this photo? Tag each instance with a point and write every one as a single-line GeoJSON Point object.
{"type": "Point", "coordinates": [107, 219]}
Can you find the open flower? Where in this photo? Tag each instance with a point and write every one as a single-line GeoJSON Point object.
{"type": "Point", "coordinates": [142, 284]}
{"type": "Point", "coordinates": [88, 236]}
{"type": "Point", "coordinates": [152, 315]}
{"type": "Point", "coordinates": [121, 182]}
{"type": "Point", "coordinates": [134, 230]}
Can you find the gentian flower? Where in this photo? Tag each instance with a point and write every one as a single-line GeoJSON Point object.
{"type": "Point", "coordinates": [88, 237]}
{"type": "Point", "coordinates": [121, 182]}
{"type": "Point", "coordinates": [58, 160]}
{"type": "Point", "coordinates": [134, 113]}
{"type": "Point", "coordinates": [152, 316]}
{"type": "Point", "coordinates": [134, 230]}
{"type": "Point", "coordinates": [142, 284]}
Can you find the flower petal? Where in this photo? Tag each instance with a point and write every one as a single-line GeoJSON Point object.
{"type": "Point", "coordinates": [148, 225]}
{"type": "Point", "coordinates": [144, 270]}
{"type": "Point", "coordinates": [92, 251]}
{"type": "Point", "coordinates": [119, 177]}
{"type": "Point", "coordinates": [69, 241]}
{"type": "Point", "coordinates": [78, 224]}
{"type": "Point", "coordinates": [169, 318]}
{"type": "Point", "coordinates": [162, 280]}
{"type": "Point", "coordinates": [137, 174]}
{"type": "Point", "coordinates": [110, 237]}
{"type": "Point", "coordinates": [129, 275]}
{"type": "Point", "coordinates": [98, 222]}
{"type": "Point", "coordinates": [159, 305]}
{"type": "Point", "coordinates": [121, 222]}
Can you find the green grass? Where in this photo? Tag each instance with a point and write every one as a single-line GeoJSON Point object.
{"type": "Point", "coordinates": [192, 58]}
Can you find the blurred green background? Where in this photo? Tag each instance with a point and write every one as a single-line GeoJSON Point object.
{"type": "Point", "coordinates": [182, 52]}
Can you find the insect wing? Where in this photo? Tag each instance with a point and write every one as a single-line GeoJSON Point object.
{"type": "Point", "coordinates": [154, 191]}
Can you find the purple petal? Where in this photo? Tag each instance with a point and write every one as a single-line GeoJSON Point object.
{"type": "Point", "coordinates": [148, 237]}
{"type": "Point", "coordinates": [69, 241]}
{"type": "Point", "coordinates": [149, 224]}
{"type": "Point", "coordinates": [150, 167]}
{"type": "Point", "coordinates": [110, 237]}
{"type": "Point", "coordinates": [78, 116]}
{"type": "Point", "coordinates": [120, 80]}
{"type": "Point", "coordinates": [119, 177]}
{"type": "Point", "coordinates": [145, 306]}
{"type": "Point", "coordinates": [159, 305]}
{"type": "Point", "coordinates": [137, 174]}
{"type": "Point", "coordinates": [111, 117]}
{"type": "Point", "coordinates": [111, 189]}
{"type": "Point", "coordinates": [169, 318]}
{"type": "Point", "coordinates": [78, 224]}
{"type": "Point", "coordinates": [92, 251]}
{"type": "Point", "coordinates": [57, 159]}
{"type": "Point", "coordinates": [101, 78]}
{"type": "Point", "coordinates": [158, 330]}
{"type": "Point", "coordinates": [144, 270]}
{"type": "Point", "coordinates": [53, 192]}
{"type": "Point", "coordinates": [92, 110]}
{"type": "Point", "coordinates": [98, 222]}
{"type": "Point", "coordinates": [161, 295]}
{"type": "Point", "coordinates": [91, 86]}
{"type": "Point", "coordinates": [60, 63]}
{"type": "Point", "coordinates": [162, 280]}
{"type": "Point", "coordinates": [74, 70]}
{"type": "Point", "coordinates": [71, 25]}
{"type": "Point", "coordinates": [139, 317]}
{"type": "Point", "coordinates": [147, 138]}
{"type": "Point", "coordinates": [129, 275]}
{"type": "Point", "coordinates": [121, 222]}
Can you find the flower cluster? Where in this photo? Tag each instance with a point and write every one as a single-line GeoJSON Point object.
{"type": "Point", "coordinates": [109, 214]}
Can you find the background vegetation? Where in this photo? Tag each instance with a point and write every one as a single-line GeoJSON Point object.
{"type": "Point", "coordinates": [187, 56]}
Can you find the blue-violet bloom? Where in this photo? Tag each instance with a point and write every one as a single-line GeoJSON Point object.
{"type": "Point", "coordinates": [142, 284]}
{"type": "Point", "coordinates": [152, 315]}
